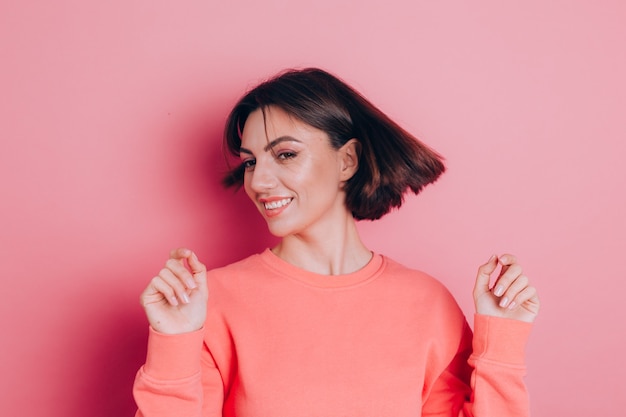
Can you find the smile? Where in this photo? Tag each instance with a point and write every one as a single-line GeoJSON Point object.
{"type": "Point", "coordinates": [273, 205]}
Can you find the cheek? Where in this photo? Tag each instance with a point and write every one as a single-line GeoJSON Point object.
{"type": "Point", "coordinates": [246, 186]}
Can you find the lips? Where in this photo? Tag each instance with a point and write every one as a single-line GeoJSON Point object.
{"type": "Point", "coordinates": [272, 205]}
{"type": "Point", "coordinates": [275, 206]}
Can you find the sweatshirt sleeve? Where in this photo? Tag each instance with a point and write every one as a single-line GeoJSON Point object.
{"type": "Point", "coordinates": [496, 387]}
{"type": "Point", "coordinates": [497, 358]}
{"type": "Point", "coordinates": [179, 378]}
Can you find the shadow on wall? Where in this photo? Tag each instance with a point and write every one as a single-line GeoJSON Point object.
{"type": "Point", "coordinates": [232, 230]}
{"type": "Point", "coordinates": [118, 350]}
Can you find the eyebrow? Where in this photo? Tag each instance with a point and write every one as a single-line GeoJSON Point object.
{"type": "Point", "coordinates": [272, 144]}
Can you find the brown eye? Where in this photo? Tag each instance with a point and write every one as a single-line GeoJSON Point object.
{"type": "Point", "coordinates": [248, 164]}
{"type": "Point", "coordinates": [286, 155]}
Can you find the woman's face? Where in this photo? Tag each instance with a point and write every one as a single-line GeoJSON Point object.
{"type": "Point", "coordinates": [292, 174]}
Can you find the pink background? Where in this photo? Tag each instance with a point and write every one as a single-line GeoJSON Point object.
{"type": "Point", "coordinates": [111, 116]}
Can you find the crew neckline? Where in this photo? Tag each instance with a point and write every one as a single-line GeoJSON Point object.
{"type": "Point", "coordinates": [370, 271]}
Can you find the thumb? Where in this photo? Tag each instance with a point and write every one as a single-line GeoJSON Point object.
{"type": "Point", "coordinates": [484, 275]}
{"type": "Point", "coordinates": [197, 269]}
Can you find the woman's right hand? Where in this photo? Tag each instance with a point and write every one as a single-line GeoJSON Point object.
{"type": "Point", "coordinates": [175, 301]}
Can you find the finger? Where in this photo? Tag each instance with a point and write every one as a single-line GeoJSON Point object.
{"type": "Point", "coordinates": [182, 273]}
{"type": "Point", "coordinates": [175, 283]}
{"type": "Point", "coordinates": [180, 253]}
{"type": "Point", "coordinates": [512, 291]}
{"type": "Point", "coordinates": [198, 270]}
{"type": "Point", "coordinates": [196, 266]}
{"type": "Point", "coordinates": [527, 297]}
{"type": "Point", "coordinates": [156, 291]}
{"type": "Point", "coordinates": [506, 278]}
{"type": "Point", "coordinates": [506, 260]}
{"type": "Point", "coordinates": [484, 275]}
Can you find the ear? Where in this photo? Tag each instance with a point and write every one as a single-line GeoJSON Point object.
{"type": "Point", "coordinates": [349, 154]}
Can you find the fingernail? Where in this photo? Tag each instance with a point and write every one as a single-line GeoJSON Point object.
{"type": "Point", "coordinates": [173, 301]}
{"type": "Point", "coordinates": [499, 290]}
{"type": "Point", "coordinates": [191, 283]}
{"type": "Point", "coordinates": [504, 302]}
{"type": "Point", "coordinates": [512, 305]}
{"type": "Point", "coordinates": [492, 258]}
{"type": "Point", "coordinates": [185, 298]}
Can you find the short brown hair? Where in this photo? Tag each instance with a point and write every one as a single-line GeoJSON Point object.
{"type": "Point", "coordinates": [391, 161]}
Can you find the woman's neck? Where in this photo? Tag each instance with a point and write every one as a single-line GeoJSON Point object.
{"type": "Point", "coordinates": [334, 253]}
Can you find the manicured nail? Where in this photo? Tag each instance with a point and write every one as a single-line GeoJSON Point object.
{"type": "Point", "coordinates": [191, 283]}
{"type": "Point", "coordinates": [504, 302]}
{"type": "Point", "coordinates": [499, 290]}
{"type": "Point", "coordinates": [491, 259]}
{"type": "Point", "coordinates": [173, 301]}
{"type": "Point", "coordinates": [512, 305]}
{"type": "Point", "coordinates": [185, 298]}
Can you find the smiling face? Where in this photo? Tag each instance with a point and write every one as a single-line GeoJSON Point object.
{"type": "Point", "coordinates": [293, 175]}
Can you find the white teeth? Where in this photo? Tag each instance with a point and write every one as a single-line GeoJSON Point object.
{"type": "Point", "coordinates": [277, 204]}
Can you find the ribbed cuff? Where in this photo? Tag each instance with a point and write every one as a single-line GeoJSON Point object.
{"type": "Point", "coordinates": [500, 340]}
{"type": "Point", "coordinates": [173, 356]}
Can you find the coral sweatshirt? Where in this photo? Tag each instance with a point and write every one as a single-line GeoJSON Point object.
{"type": "Point", "coordinates": [385, 341]}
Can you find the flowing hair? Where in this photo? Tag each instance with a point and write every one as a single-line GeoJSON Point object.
{"type": "Point", "coordinates": [391, 160]}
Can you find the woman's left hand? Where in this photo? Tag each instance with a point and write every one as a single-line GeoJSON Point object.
{"type": "Point", "coordinates": [511, 296]}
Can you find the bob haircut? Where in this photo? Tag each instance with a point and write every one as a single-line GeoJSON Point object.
{"type": "Point", "coordinates": [391, 160]}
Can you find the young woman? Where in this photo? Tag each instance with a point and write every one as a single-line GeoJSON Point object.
{"type": "Point", "coordinates": [319, 325]}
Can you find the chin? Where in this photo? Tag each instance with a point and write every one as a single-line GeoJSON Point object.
{"type": "Point", "coordinates": [280, 230]}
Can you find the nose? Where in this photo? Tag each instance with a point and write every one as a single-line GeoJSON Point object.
{"type": "Point", "coordinates": [261, 178]}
